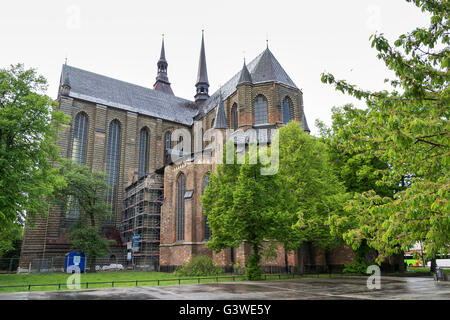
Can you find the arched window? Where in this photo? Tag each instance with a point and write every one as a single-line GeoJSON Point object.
{"type": "Point", "coordinates": [143, 153]}
{"type": "Point", "coordinates": [167, 146]}
{"type": "Point", "coordinates": [112, 163]}
{"type": "Point", "coordinates": [79, 144]}
{"type": "Point", "coordinates": [180, 146]}
{"type": "Point", "coordinates": [80, 139]}
{"type": "Point", "coordinates": [212, 122]}
{"type": "Point", "coordinates": [181, 189]}
{"type": "Point", "coordinates": [234, 117]}
{"type": "Point", "coordinates": [260, 110]}
{"type": "Point", "coordinates": [206, 229]}
{"type": "Point", "coordinates": [287, 110]}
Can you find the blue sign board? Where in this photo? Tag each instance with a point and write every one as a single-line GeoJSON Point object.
{"type": "Point", "coordinates": [74, 261]}
{"type": "Point", "coordinates": [135, 241]}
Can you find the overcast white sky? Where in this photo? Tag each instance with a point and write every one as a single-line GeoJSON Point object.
{"type": "Point", "coordinates": [122, 39]}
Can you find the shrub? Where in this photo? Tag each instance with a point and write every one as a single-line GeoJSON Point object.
{"type": "Point", "coordinates": [199, 266]}
{"type": "Point", "coordinates": [356, 268]}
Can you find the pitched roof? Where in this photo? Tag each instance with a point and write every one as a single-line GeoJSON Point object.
{"type": "Point", "coordinates": [304, 123]}
{"type": "Point", "coordinates": [220, 122]}
{"type": "Point", "coordinates": [264, 68]}
{"type": "Point", "coordinates": [245, 76]}
{"type": "Point", "coordinates": [107, 91]}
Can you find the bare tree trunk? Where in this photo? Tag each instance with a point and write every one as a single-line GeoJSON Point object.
{"type": "Point", "coordinates": [433, 265]}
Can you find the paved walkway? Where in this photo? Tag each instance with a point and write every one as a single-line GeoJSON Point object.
{"type": "Point", "coordinates": [392, 288]}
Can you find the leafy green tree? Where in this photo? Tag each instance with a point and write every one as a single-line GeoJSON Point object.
{"type": "Point", "coordinates": [407, 128]}
{"type": "Point", "coordinates": [10, 241]}
{"type": "Point", "coordinates": [359, 172]}
{"type": "Point", "coordinates": [306, 167]}
{"type": "Point", "coordinates": [289, 207]}
{"type": "Point", "coordinates": [85, 189]}
{"type": "Point", "coordinates": [242, 205]}
{"type": "Point", "coordinates": [28, 132]}
{"type": "Point", "coordinates": [87, 240]}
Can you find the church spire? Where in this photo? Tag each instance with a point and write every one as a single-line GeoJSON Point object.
{"type": "Point", "coordinates": [202, 84]}
{"type": "Point", "coordinates": [162, 81]}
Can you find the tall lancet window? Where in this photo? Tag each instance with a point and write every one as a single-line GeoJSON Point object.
{"type": "Point", "coordinates": [112, 164]}
{"type": "Point", "coordinates": [234, 117]}
{"type": "Point", "coordinates": [206, 229]}
{"type": "Point", "coordinates": [143, 153]}
{"type": "Point", "coordinates": [79, 142]}
{"type": "Point", "coordinates": [167, 146]}
{"type": "Point", "coordinates": [287, 110]}
{"type": "Point", "coordinates": [181, 189]}
{"type": "Point", "coordinates": [80, 139]}
{"type": "Point", "coordinates": [260, 110]}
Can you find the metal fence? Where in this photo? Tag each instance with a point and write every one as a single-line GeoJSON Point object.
{"type": "Point", "coordinates": [9, 265]}
{"type": "Point", "coordinates": [143, 263]}
{"type": "Point", "coordinates": [56, 264]}
{"type": "Point", "coordinates": [154, 282]}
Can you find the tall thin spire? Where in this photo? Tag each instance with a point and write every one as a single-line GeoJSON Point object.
{"type": "Point", "coordinates": [162, 81]}
{"type": "Point", "coordinates": [163, 52]}
{"type": "Point", "coordinates": [202, 84]}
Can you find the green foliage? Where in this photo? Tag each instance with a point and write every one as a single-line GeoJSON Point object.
{"type": "Point", "coordinates": [199, 266]}
{"type": "Point", "coordinates": [244, 205]}
{"type": "Point", "coordinates": [28, 131]}
{"type": "Point", "coordinates": [88, 241]}
{"type": "Point", "coordinates": [253, 270]}
{"type": "Point", "coordinates": [289, 207]}
{"type": "Point", "coordinates": [10, 241]}
{"type": "Point", "coordinates": [409, 130]}
{"type": "Point", "coordinates": [356, 267]}
{"type": "Point", "coordinates": [87, 188]}
{"type": "Point", "coordinates": [308, 174]}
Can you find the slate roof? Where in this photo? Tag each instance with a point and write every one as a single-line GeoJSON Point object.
{"type": "Point", "coordinates": [304, 123]}
{"type": "Point", "coordinates": [220, 122]}
{"type": "Point", "coordinates": [107, 91]}
{"type": "Point", "coordinates": [264, 68]}
{"type": "Point", "coordinates": [245, 75]}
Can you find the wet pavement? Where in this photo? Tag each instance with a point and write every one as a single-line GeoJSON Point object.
{"type": "Point", "coordinates": [392, 288]}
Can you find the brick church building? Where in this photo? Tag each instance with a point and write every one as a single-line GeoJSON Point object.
{"type": "Point", "coordinates": [127, 131]}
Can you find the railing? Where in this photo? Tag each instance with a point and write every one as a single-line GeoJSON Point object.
{"type": "Point", "coordinates": [159, 282]}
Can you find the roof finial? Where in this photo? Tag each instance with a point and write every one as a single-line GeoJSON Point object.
{"type": "Point", "coordinates": [267, 40]}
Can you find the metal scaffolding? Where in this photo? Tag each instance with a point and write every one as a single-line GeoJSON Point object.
{"type": "Point", "coordinates": [141, 217]}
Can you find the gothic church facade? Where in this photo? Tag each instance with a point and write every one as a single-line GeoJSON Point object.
{"type": "Point", "coordinates": [126, 131]}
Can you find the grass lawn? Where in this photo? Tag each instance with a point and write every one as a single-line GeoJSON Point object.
{"type": "Point", "coordinates": [425, 269]}
{"type": "Point", "coordinates": [128, 277]}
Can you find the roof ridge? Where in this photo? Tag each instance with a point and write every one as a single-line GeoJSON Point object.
{"type": "Point", "coordinates": [126, 82]}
